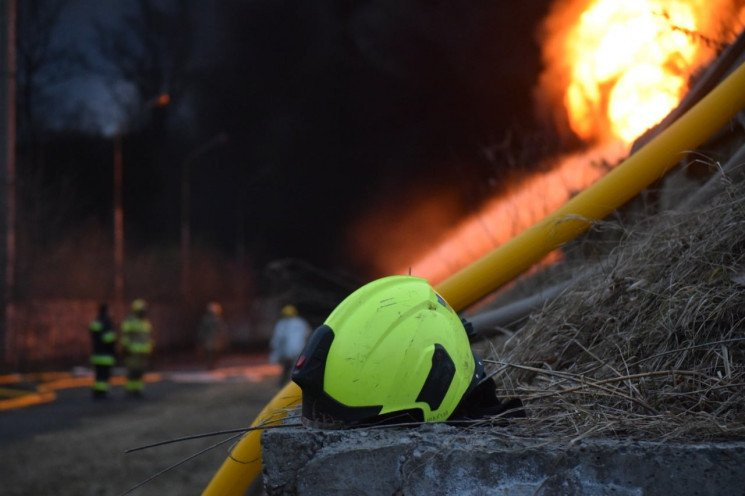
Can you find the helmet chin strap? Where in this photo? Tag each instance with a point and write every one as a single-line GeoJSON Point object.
{"type": "Point", "coordinates": [482, 403]}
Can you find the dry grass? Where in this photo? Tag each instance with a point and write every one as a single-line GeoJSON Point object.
{"type": "Point", "coordinates": [650, 344]}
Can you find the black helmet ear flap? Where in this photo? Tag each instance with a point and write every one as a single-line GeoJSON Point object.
{"type": "Point", "coordinates": [482, 402]}
{"type": "Point", "coordinates": [311, 364]}
{"type": "Point", "coordinates": [438, 380]}
{"type": "Point", "coordinates": [309, 372]}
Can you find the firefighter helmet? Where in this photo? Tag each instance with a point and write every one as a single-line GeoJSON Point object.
{"type": "Point", "coordinates": [139, 305]}
{"type": "Point", "coordinates": [289, 311]}
{"type": "Point", "coordinates": [214, 308]}
{"type": "Point", "coordinates": [392, 348]}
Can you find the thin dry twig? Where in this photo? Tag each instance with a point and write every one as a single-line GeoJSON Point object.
{"type": "Point", "coordinates": [649, 342]}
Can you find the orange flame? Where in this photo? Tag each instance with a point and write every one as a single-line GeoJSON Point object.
{"type": "Point", "coordinates": [619, 67]}
{"type": "Point", "coordinates": [614, 68]}
{"type": "Point", "coordinates": [503, 217]}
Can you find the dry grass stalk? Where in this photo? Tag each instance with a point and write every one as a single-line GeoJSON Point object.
{"type": "Point", "coordinates": [650, 344]}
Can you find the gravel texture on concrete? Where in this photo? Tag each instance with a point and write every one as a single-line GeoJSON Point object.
{"type": "Point", "coordinates": [439, 459]}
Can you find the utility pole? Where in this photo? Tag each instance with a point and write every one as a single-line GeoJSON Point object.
{"type": "Point", "coordinates": [118, 230]}
{"type": "Point", "coordinates": [159, 101]}
{"type": "Point", "coordinates": [217, 140]}
{"type": "Point", "coordinates": [8, 18]}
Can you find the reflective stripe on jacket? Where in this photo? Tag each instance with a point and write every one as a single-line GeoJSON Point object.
{"type": "Point", "coordinates": [103, 360]}
{"type": "Point", "coordinates": [136, 335]}
{"type": "Point", "coordinates": [103, 337]}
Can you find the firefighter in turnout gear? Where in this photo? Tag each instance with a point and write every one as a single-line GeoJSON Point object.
{"type": "Point", "coordinates": [103, 336]}
{"type": "Point", "coordinates": [138, 345]}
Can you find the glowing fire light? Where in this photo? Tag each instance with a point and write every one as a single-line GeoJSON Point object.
{"type": "Point", "coordinates": [503, 217]}
{"type": "Point", "coordinates": [624, 65]}
{"type": "Point", "coordinates": [614, 68]}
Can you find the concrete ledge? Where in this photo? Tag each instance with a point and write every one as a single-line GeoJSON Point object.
{"type": "Point", "coordinates": [438, 459]}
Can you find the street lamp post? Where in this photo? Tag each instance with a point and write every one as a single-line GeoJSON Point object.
{"type": "Point", "coordinates": [158, 101]}
{"type": "Point", "coordinates": [118, 228]}
{"type": "Point", "coordinates": [217, 140]}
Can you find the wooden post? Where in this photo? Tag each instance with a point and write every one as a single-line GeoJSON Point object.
{"type": "Point", "coordinates": [8, 18]}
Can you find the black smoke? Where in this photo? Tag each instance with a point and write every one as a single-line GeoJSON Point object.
{"type": "Point", "coordinates": [332, 105]}
{"type": "Point", "coordinates": [296, 119]}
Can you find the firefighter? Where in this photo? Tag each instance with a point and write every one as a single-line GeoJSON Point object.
{"type": "Point", "coordinates": [138, 345]}
{"type": "Point", "coordinates": [288, 340]}
{"type": "Point", "coordinates": [103, 336]}
{"type": "Point", "coordinates": [212, 335]}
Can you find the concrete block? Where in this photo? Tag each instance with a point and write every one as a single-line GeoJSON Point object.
{"type": "Point", "coordinates": [439, 459]}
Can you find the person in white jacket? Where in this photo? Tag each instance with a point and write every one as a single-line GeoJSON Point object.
{"type": "Point", "coordinates": [288, 340]}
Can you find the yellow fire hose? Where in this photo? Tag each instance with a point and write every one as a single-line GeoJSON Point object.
{"type": "Point", "coordinates": [239, 470]}
{"type": "Point", "coordinates": [517, 255]}
{"type": "Point", "coordinates": [624, 182]}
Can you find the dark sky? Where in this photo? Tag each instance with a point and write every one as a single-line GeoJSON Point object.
{"type": "Point", "coordinates": [334, 110]}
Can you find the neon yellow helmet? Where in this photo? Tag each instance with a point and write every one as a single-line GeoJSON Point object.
{"type": "Point", "coordinates": [393, 348]}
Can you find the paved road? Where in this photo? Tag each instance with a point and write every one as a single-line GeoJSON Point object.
{"type": "Point", "coordinates": [74, 445]}
{"type": "Point", "coordinates": [74, 406]}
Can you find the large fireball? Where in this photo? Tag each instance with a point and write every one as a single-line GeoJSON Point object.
{"type": "Point", "coordinates": [620, 66]}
